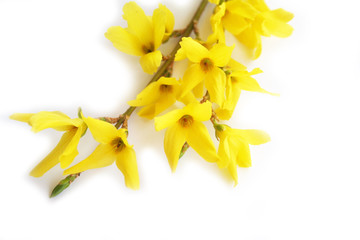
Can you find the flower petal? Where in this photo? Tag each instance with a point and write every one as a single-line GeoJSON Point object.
{"type": "Point", "coordinates": [235, 65]}
{"type": "Point", "coordinates": [241, 8]}
{"type": "Point", "coordinates": [148, 111]}
{"type": "Point", "coordinates": [168, 119]}
{"type": "Point", "coordinates": [103, 155]}
{"type": "Point", "coordinates": [215, 82]}
{"type": "Point", "coordinates": [138, 23]}
{"type": "Point", "coordinates": [224, 113]}
{"type": "Point", "coordinates": [149, 95]}
{"type": "Point", "coordinates": [173, 143]}
{"type": "Point", "coordinates": [151, 61]}
{"type": "Point", "coordinates": [243, 158]}
{"type": "Point", "coordinates": [192, 77]}
{"type": "Point", "coordinates": [259, 5]}
{"type": "Point", "coordinates": [253, 136]}
{"type": "Point", "coordinates": [233, 171]}
{"type": "Point", "coordinates": [169, 22]}
{"type": "Point", "coordinates": [159, 21]}
{"type": "Point", "coordinates": [22, 117]}
{"type": "Point", "coordinates": [224, 151]}
{"type": "Point", "coordinates": [221, 54]}
{"type": "Point", "coordinates": [199, 139]}
{"type": "Point", "coordinates": [244, 81]}
{"type": "Point", "coordinates": [125, 41]}
{"type": "Point", "coordinates": [70, 152]}
{"type": "Point", "coordinates": [218, 34]}
{"type": "Point", "coordinates": [281, 15]}
{"type": "Point", "coordinates": [180, 55]}
{"type": "Point", "coordinates": [188, 98]}
{"type": "Point", "coordinates": [199, 90]}
{"type": "Point", "coordinates": [233, 92]}
{"type": "Point", "coordinates": [126, 162]}
{"type": "Point", "coordinates": [199, 111]}
{"type": "Point", "coordinates": [103, 132]}
{"type": "Point", "coordinates": [153, 92]}
{"type": "Point", "coordinates": [194, 50]}
{"type": "Point", "coordinates": [163, 103]}
{"type": "Point", "coordinates": [251, 38]}
{"type": "Point", "coordinates": [278, 28]}
{"type": "Point", "coordinates": [53, 157]}
{"type": "Point", "coordinates": [59, 122]}
{"type": "Point", "coordinates": [234, 23]}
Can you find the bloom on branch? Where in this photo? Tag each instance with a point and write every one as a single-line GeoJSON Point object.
{"type": "Point", "coordinates": [185, 125]}
{"type": "Point", "coordinates": [66, 150]}
{"type": "Point", "coordinates": [248, 20]}
{"type": "Point", "coordinates": [234, 16]}
{"type": "Point", "coordinates": [156, 97]}
{"type": "Point", "coordinates": [205, 66]}
{"type": "Point", "coordinates": [113, 147]}
{"type": "Point", "coordinates": [234, 147]}
{"type": "Point", "coordinates": [144, 34]}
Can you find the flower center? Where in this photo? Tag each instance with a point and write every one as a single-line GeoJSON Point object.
{"type": "Point", "coordinates": [118, 144]}
{"type": "Point", "coordinates": [148, 49]}
{"type": "Point", "coordinates": [165, 88]}
{"type": "Point", "coordinates": [186, 121]}
{"type": "Point", "coordinates": [206, 64]}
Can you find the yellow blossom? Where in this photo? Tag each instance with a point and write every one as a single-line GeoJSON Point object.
{"type": "Point", "coordinates": [113, 147]}
{"type": "Point", "coordinates": [234, 16]}
{"type": "Point", "coordinates": [248, 20]}
{"type": "Point", "coordinates": [144, 34]}
{"type": "Point", "coordinates": [205, 68]}
{"type": "Point", "coordinates": [185, 125]}
{"type": "Point", "coordinates": [237, 79]}
{"type": "Point", "coordinates": [66, 150]}
{"type": "Point", "coordinates": [234, 147]}
{"type": "Point", "coordinates": [156, 97]}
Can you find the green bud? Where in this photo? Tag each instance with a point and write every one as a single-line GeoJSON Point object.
{"type": "Point", "coordinates": [63, 184]}
{"type": "Point", "coordinates": [183, 149]}
{"type": "Point", "coordinates": [219, 127]}
{"type": "Point", "coordinates": [80, 113]}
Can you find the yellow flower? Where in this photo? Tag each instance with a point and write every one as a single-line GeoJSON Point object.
{"type": "Point", "coordinates": [185, 125]}
{"type": "Point", "coordinates": [234, 147]}
{"type": "Point", "coordinates": [248, 20]}
{"type": "Point", "coordinates": [206, 65]}
{"type": "Point", "coordinates": [113, 147]}
{"type": "Point", "coordinates": [66, 150]}
{"type": "Point", "coordinates": [234, 16]}
{"type": "Point", "coordinates": [156, 97]}
{"type": "Point", "coordinates": [238, 78]}
{"type": "Point", "coordinates": [266, 23]}
{"type": "Point", "coordinates": [144, 34]}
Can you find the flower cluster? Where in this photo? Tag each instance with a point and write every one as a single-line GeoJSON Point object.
{"type": "Point", "coordinates": [208, 90]}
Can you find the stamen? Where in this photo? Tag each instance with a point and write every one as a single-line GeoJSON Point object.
{"type": "Point", "coordinates": [118, 144]}
{"type": "Point", "coordinates": [206, 64]}
{"type": "Point", "coordinates": [186, 121]}
{"type": "Point", "coordinates": [148, 49]}
{"type": "Point", "coordinates": [165, 88]}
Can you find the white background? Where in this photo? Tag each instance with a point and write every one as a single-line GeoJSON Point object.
{"type": "Point", "coordinates": [304, 184]}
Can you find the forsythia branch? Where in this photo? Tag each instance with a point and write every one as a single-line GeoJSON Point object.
{"type": "Point", "coordinates": [164, 70]}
